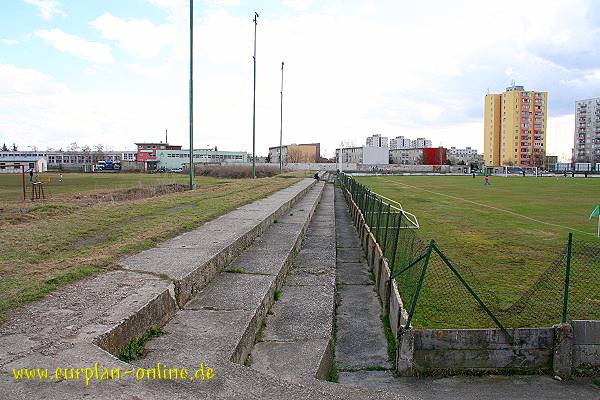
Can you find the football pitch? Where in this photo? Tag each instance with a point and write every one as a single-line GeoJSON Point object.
{"type": "Point", "coordinates": [505, 234]}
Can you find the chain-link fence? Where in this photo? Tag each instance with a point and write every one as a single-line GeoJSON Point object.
{"type": "Point", "coordinates": [442, 293]}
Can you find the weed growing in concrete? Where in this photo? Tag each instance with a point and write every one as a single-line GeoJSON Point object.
{"type": "Point", "coordinates": [259, 334]}
{"type": "Point", "coordinates": [333, 372]}
{"type": "Point", "coordinates": [277, 295]}
{"type": "Point", "coordinates": [235, 270]}
{"type": "Point", "coordinates": [389, 335]}
{"type": "Point", "coordinates": [136, 347]}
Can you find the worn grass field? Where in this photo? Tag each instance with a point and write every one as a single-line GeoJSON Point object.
{"type": "Point", "coordinates": [46, 244]}
{"type": "Point", "coordinates": [503, 236]}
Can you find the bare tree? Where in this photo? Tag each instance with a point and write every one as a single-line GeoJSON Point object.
{"type": "Point", "coordinates": [73, 146]}
{"type": "Point", "coordinates": [99, 148]}
{"type": "Point", "coordinates": [86, 148]}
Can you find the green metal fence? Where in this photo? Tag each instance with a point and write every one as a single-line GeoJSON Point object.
{"type": "Point", "coordinates": [440, 292]}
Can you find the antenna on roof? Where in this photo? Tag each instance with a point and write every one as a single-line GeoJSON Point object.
{"type": "Point", "coordinates": [488, 90]}
{"type": "Point", "coordinates": [166, 136]}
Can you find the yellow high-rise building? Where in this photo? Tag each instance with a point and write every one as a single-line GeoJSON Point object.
{"type": "Point", "coordinates": [515, 124]}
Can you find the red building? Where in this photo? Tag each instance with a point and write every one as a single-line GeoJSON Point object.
{"type": "Point", "coordinates": [146, 153]}
{"type": "Point", "coordinates": [435, 156]}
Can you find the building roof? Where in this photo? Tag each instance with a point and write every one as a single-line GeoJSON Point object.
{"type": "Point", "coordinates": [20, 159]}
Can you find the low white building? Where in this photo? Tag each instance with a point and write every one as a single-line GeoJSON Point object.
{"type": "Point", "coordinates": [14, 165]}
{"type": "Point", "coordinates": [466, 156]}
{"type": "Point", "coordinates": [369, 155]}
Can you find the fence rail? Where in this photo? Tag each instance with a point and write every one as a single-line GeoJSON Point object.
{"type": "Point", "coordinates": [440, 292]}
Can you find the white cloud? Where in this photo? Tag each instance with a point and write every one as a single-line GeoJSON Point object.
{"type": "Point", "coordinates": [298, 5]}
{"type": "Point", "coordinates": [47, 8]}
{"type": "Point", "coordinates": [139, 37]}
{"type": "Point", "coordinates": [15, 81]}
{"type": "Point", "coordinates": [98, 53]}
{"type": "Point", "coordinates": [393, 67]}
{"type": "Point", "coordinates": [9, 42]}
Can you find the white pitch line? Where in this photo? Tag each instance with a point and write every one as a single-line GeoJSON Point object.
{"type": "Point", "coordinates": [488, 206]}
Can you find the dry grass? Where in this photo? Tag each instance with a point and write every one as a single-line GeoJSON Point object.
{"type": "Point", "coordinates": [237, 171]}
{"type": "Point", "coordinates": [46, 245]}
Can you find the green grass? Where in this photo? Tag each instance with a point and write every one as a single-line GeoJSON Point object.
{"type": "Point", "coordinates": [502, 237]}
{"type": "Point", "coordinates": [136, 348]}
{"type": "Point", "coordinates": [47, 244]}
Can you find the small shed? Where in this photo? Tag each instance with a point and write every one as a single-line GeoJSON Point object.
{"type": "Point", "coordinates": [13, 165]}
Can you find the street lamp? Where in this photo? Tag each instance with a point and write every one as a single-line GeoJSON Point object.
{"type": "Point", "coordinates": [281, 123]}
{"type": "Point", "coordinates": [191, 95]}
{"type": "Point", "coordinates": [254, 104]}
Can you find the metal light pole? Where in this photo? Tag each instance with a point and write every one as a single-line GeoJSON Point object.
{"type": "Point", "coordinates": [281, 124]}
{"type": "Point", "coordinates": [254, 104]}
{"type": "Point", "coordinates": [191, 94]}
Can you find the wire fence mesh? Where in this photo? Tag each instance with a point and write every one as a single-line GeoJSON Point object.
{"type": "Point", "coordinates": [439, 292]}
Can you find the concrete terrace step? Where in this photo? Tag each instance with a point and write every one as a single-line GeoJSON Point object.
{"type": "Point", "coordinates": [83, 323]}
{"type": "Point", "coordinates": [223, 318]}
{"type": "Point", "coordinates": [193, 259]}
{"type": "Point", "coordinates": [296, 342]}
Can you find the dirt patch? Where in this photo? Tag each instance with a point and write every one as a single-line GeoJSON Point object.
{"type": "Point", "coordinates": [135, 193]}
{"type": "Point", "coordinates": [90, 240]}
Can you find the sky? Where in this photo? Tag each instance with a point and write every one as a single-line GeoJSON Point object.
{"type": "Point", "coordinates": [115, 72]}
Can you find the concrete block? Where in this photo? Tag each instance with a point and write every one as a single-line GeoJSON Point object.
{"type": "Point", "coordinates": [464, 339]}
{"type": "Point", "coordinates": [383, 288]}
{"type": "Point", "coordinates": [377, 271]}
{"type": "Point", "coordinates": [370, 251]}
{"type": "Point", "coordinates": [483, 359]}
{"type": "Point", "coordinates": [562, 361]}
{"type": "Point", "coordinates": [156, 312]}
{"type": "Point", "coordinates": [377, 259]}
{"type": "Point", "coordinates": [586, 356]}
{"type": "Point", "coordinates": [586, 331]}
{"type": "Point", "coordinates": [405, 365]}
{"type": "Point", "coordinates": [395, 310]}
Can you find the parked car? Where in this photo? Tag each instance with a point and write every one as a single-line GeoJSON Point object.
{"type": "Point", "coordinates": [177, 170]}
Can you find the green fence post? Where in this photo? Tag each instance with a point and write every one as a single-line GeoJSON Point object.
{"type": "Point", "coordinates": [387, 222]}
{"type": "Point", "coordinates": [377, 235]}
{"type": "Point", "coordinates": [567, 278]}
{"type": "Point", "coordinates": [472, 292]}
{"type": "Point", "coordinates": [395, 244]}
{"type": "Point", "coordinates": [413, 305]}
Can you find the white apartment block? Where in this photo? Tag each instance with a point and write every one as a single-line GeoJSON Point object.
{"type": "Point", "coordinates": [377, 141]}
{"type": "Point", "coordinates": [400, 142]}
{"type": "Point", "coordinates": [420, 143]}
{"type": "Point", "coordinates": [467, 155]}
{"type": "Point", "coordinates": [587, 131]}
